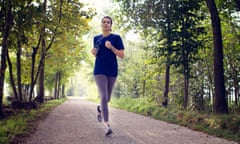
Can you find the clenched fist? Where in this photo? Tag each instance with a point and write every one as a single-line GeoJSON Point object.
{"type": "Point", "coordinates": [108, 44]}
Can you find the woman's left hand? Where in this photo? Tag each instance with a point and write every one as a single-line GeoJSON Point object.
{"type": "Point", "coordinates": [108, 44]}
{"type": "Point", "coordinates": [119, 53]}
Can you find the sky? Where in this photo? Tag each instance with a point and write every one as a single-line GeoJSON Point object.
{"type": "Point", "coordinates": [101, 7]}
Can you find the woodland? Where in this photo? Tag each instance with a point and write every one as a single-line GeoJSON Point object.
{"type": "Point", "coordinates": [41, 46]}
{"type": "Point", "coordinates": [187, 54]}
{"type": "Point", "coordinates": [181, 56]}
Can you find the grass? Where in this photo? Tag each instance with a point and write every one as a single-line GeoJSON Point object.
{"type": "Point", "coordinates": [22, 122]}
{"type": "Point", "coordinates": [225, 126]}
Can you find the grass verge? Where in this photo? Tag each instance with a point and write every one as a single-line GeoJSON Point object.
{"type": "Point", "coordinates": [225, 126]}
{"type": "Point", "coordinates": [23, 122]}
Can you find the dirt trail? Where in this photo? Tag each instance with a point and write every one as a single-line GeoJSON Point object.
{"type": "Point", "coordinates": [74, 122]}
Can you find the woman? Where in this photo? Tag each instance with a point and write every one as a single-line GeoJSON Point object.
{"type": "Point", "coordinates": [107, 46]}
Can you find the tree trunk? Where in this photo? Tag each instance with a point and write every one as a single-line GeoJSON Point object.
{"type": "Point", "coordinates": [45, 48]}
{"type": "Point", "coordinates": [12, 77]}
{"type": "Point", "coordinates": [236, 90]}
{"type": "Point", "coordinates": [63, 91]}
{"type": "Point", "coordinates": [143, 88]}
{"type": "Point", "coordinates": [19, 71]}
{"type": "Point", "coordinates": [186, 81]}
{"type": "Point", "coordinates": [40, 97]}
{"type": "Point", "coordinates": [210, 86]}
{"type": "Point", "coordinates": [59, 85]}
{"type": "Point", "coordinates": [32, 74]}
{"type": "Point", "coordinates": [33, 80]}
{"type": "Point", "coordinates": [169, 53]}
{"type": "Point", "coordinates": [6, 8]}
{"type": "Point", "coordinates": [56, 85]}
{"type": "Point", "coordinates": [202, 96]}
{"type": "Point", "coordinates": [220, 103]}
{"type": "Point", "coordinates": [166, 87]}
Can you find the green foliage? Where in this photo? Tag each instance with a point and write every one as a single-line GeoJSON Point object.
{"type": "Point", "coordinates": [173, 33]}
{"type": "Point", "coordinates": [21, 122]}
{"type": "Point", "coordinates": [172, 36]}
{"type": "Point", "coordinates": [62, 25]}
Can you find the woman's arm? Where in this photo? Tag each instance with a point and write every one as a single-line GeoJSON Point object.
{"type": "Point", "coordinates": [119, 53]}
{"type": "Point", "coordinates": [94, 51]}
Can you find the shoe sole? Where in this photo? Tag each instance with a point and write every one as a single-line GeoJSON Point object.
{"type": "Point", "coordinates": [110, 132]}
{"type": "Point", "coordinates": [98, 109]}
{"type": "Point", "coordinates": [99, 117]}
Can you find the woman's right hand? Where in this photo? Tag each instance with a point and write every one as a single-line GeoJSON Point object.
{"type": "Point", "coordinates": [94, 51]}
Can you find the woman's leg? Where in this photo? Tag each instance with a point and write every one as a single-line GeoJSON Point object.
{"type": "Point", "coordinates": [105, 85]}
{"type": "Point", "coordinates": [111, 82]}
{"type": "Point", "coordinates": [102, 84]}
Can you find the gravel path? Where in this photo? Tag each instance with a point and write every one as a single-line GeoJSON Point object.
{"type": "Point", "coordinates": [74, 122]}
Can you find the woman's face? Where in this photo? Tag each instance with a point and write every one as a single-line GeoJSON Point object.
{"type": "Point", "coordinates": [106, 24]}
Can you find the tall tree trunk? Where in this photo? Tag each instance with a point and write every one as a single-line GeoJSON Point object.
{"type": "Point", "coordinates": [210, 81]}
{"type": "Point", "coordinates": [63, 91]}
{"type": "Point", "coordinates": [56, 85]}
{"type": "Point", "coordinates": [59, 84]}
{"type": "Point", "coordinates": [19, 71]}
{"type": "Point", "coordinates": [40, 97]}
{"type": "Point", "coordinates": [45, 48]}
{"type": "Point", "coordinates": [236, 90]}
{"type": "Point", "coordinates": [166, 87]}
{"type": "Point", "coordinates": [186, 83]}
{"type": "Point", "coordinates": [12, 77]}
{"type": "Point", "coordinates": [7, 24]}
{"type": "Point", "coordinates": [202, 96]}
{"type": "Point", "coordinates": [32, 74]}
{"type": "Point", "coordinates": [33, 80]}
{"type": "Point", "coordinates": [220, 103]}
{"type": "Point", "coordinates": [235, 83]}
{"type": "Point", "coordinates": [169, 53]}
{"type": "Point", "coordinates": [143, 88]}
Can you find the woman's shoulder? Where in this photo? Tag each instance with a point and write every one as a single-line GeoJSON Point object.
{"type": "Point", "coordinates": [115, 36]}
{"type": "Point", "coordinates": [97, 36]}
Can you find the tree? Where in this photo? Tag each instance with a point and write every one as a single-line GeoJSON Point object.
{"type": "Point", "coordinates": [6, 25]}
{"type": "Point", "coordinates": [174, 28]}
{"type": "Point", "coordinates": [154, 19]}
{"type": "Point", "coordinates": [25, 36]}
{"type": "Point", "coordinates": [44, 48]}
{"type": "Point", "coordinates": [22, 16]}
{"type": "Point", "coordinates": [231, 43]}
{"type": "Point", "coordinates": [187, 38]}
{"type": "Point", "coordinates": [220, 103]}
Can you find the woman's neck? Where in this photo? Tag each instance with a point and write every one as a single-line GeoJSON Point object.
{"type": "Point", "coordinates": [106, 33]}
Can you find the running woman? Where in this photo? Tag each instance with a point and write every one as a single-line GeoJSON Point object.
{"type": "Point", "coordinates": [107, 47]}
